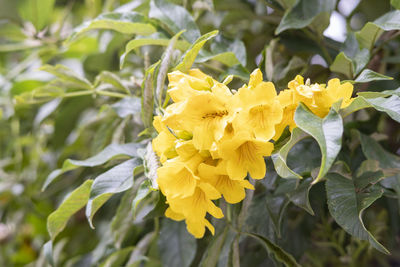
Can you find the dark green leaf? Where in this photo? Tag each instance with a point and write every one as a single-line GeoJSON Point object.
{"type": "Point", "coordinates": [279, 254]}
{"type": "Point", "coordinates": [346, 206]}
{"type": "Point", "coordinates": [390, 105]}
{"type": "Point", "coordinates": [303, 13]}
{"type": "Point", "coordinates": [299, 196]}
{"type": "Point", "coordinates": [177, 247]}
{"type": "Point", "coordinates": [174, 17]}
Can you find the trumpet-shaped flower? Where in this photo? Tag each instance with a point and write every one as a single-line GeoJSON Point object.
{"type": "Point", "coordinates": [195, 207]}
{"type": "Point", "coordinates": [205, 115]}
{"type": "Point", "coordinates": [243, 154]}
{"type": "Point", "coordinates": [232, 190]}
{"type": "Point", "coordinates": [260, 108]}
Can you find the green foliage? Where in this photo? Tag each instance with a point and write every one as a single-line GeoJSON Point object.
{"type": "Point", "coordinates": [80, 84]}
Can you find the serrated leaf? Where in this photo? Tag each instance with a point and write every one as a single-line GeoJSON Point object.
{"type": "Point", "coordinates": [279, 254]}
{"type": "Point", "coordinates": [68, 75]}
{"type": "Point", "coordinates": [303, 13]}
{"type": "Point", "coordinates": [123, 22]}
{"type": "Point", "coordinates": [346, 206]}
{"type": "Point", "coordinates": [174, 17]}
{"type": "Point", "coordinates": [177, 247]}
{"type": "Point", "coordinates": [78, 198]}
{"type": "Point", "coordinates": [115, 180]}
{"type": "Point", "coordinates": [368, 75]}
{"type": "Point", "coordinates": [102, 157]}
{"type": "Point", "coordinates": [327, 132]}
{"type": "Point", "coordinates": [279, 158]}
{"type": "Point", "coordinates": [189, 57]}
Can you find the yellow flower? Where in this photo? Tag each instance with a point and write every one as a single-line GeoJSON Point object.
{"type": "Point", "coordinates": [177, 177]}
{"type": "Point", "coordinates": [232, 190]}
{"type": "Point", "coordinates": [243, 154]}
{"type": "Point", "coordinates": [194, 209]}
{"type": "Point", "coordinates": [317, 97]}
{"type": "Point", "coordinates": [181, 85]}
{"type": "Point", "coordinates": [205, 115]}
{"type": "Point", "coordinates": [260, 108]}
{"type": "Point", "coordinates": [164, 143]}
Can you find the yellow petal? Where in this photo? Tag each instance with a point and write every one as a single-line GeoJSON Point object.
{"type": "Point", "coordinates": [169, 213]}
{"type": "Point", "coordinates": [256, 77]}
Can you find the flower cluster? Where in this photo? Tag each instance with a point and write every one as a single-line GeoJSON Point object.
{"type": "Point", "coordinates": [209, 139]}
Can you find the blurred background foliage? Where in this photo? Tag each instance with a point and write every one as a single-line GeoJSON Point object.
{"type": "Point", "coordinates": [88, 96]}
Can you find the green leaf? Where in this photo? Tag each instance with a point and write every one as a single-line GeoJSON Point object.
{"type": "Point", "coordinates": [175, 18]}
{"type": "Point", "coordinates": [343, 64]}
{"type": "Point", "coordinates": [117, 258]}
{"type": "Point", "coordinates": [112, 79]}
{"type": "Point", "coordinates": [218, 251]}
{"type": "Point", "coordinates": [371, 32]}
{"type": "Point", "coordinates": [38, 12]}
{"type": "Point", "coordinates": [390, 105]}
{"type": "Point", "coordinates": [346, 206]}
{"type": "Point", "coordinates": [177, 247]}
{"type": "Point", "coordinates": [279, 254]}
{"type": "Point", "coordinates": [395, 3]}
{"type": "Point", "coordinates": [374, 151]}
{"type": "Point", "coordinates": [190, 55]}
{"type": "Point", "coordinates": [357, 104]}
{"type": "Point", "coordinates": [368, 75]}
{"type": "Point", "coordinates": [303, 13]}
{"type": "Point", "coordinates": [123, 22]}
{"type": "Point", "coordinates": [115, 180]}
{"type": "Point", "coordinates": [368, 35]}
{"type": "Point", "coordinates": [276, 206]}
{"type": "Point", "coordinates": [327, 132]}
{"type": "Point", "coordinates": [127, 106]}
{"type": "Point", "coordinates": [143, 191]}
{"type": "Point", "coordinates": [152, 40]}
{"type": "Point", "coordinates": [57, 220]}
{"type": "Point", "coordinates": [299, 196]}
{"type": "Point", "coordinates": [111, 151]}
{"type": "Point", "coordinates": [279, 158]}
{"type": "Point", "coordinates": [68, 75]}
{"type": "Point", "coordinates": [228, 52]}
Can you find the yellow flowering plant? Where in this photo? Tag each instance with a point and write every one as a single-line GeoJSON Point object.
{"type": "Point", "coordinates": [199, 133]}
{"type": "Point", "coordinates": [228, 135]}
